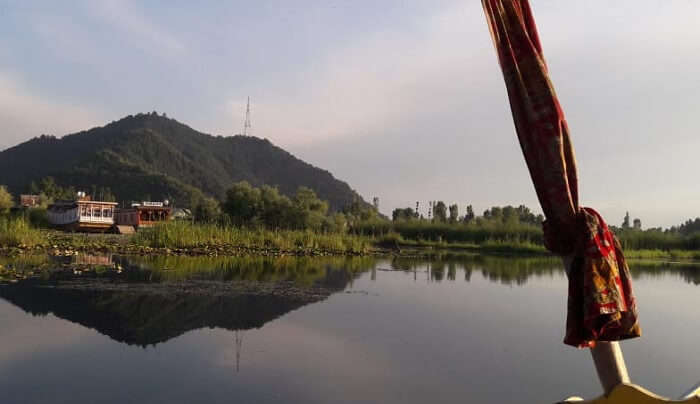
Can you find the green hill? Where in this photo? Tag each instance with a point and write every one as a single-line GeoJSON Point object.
{"type": "Point", "coordinates": [148, 155]}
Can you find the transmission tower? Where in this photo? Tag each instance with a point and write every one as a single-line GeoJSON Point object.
{"type": "Point", "coordinates": [246, 123]}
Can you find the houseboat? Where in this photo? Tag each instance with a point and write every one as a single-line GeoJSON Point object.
{"type": "Point", "coordinates": [144, 214]}
{"type": "Point", "coordinates": [82, 214]}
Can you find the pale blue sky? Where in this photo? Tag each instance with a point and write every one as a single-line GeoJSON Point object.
{"type": "Point", "coordinates": [404, 100]}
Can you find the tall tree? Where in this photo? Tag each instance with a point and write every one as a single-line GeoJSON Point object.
{"type": "Point", "coordinates": [469, 216]}
{"type": "Point", "coordinates": [311, 210]}
{"type": "Point", "coordinates": [242, 202]}
{"type": "Point", "coordinates": [6, 200]}
{"type": "Point", "coordinates": [400, 214]}
{"type": "Point", "coordinates": [440, 211]}
{"type": "Point", "coordinates": [206, 210]}
{"type": "Point", "coordinates": [454, 213]}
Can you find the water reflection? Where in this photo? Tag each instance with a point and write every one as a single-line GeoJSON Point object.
{"type": "Point", "coordinates": [688, 271]}
{"type": "Point", "coordinates": [453, 325]}
{"type": "Point", "coordinates": [148, 300]}
{"type": "Point", "coordinates": [302, 271]}
{"type": "Point", "coordinates": [506, 270]}
{"type": "Point", "coordinates": [517, 270]}
{"type": "Point", "coordinates": [149, 318]}
{"type": "Point", "coordinates": [309, 271]}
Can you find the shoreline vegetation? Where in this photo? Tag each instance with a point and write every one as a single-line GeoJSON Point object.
{"type": "Point", "coordinates": [18, 235]}
{"type": "Point", "coordinates": [263, 221]}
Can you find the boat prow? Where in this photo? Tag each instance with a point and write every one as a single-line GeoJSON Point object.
{"type": "Point", "coordinates": [633, 394]}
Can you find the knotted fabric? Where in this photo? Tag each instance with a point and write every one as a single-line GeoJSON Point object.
{"type": "Point", "coordinates": [601, 304]}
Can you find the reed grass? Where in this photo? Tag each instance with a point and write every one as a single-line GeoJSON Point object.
{"type": "Point", "coordinates": [454, 233]}
{"type": "Point", "coordinates": [512, 246]}
{"type": "Point", "coordinates": [17, 232]}
{"type": "Point", "coordinates": [188, 235]}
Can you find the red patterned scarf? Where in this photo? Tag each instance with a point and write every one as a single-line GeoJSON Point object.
{"type": "Point", "coordinates": [601, 304]}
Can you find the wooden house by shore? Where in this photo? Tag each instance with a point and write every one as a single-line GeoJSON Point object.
{"type": "Point", "coordinates": [144, 214]}
{"type": "Point", "coordinates": [82, 214]}
{"type": "Point", "coordinates": [29, 201]}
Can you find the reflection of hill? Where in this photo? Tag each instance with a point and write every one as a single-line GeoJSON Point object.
{"type": "Point", "coordinates": [146, 305]}
{"type": "Point", "coordinates": [143, 319]}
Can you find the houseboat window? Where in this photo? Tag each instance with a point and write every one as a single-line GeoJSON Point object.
{"type": "Point", "coordinates": [83, 211]}
{"type": "Point", "coordinates": [107, 213]}
{"type": "Point", "coordinates": [97, 212]}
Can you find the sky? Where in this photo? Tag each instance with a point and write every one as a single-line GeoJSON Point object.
{"type": "Point", "coordinates": [404, 100]}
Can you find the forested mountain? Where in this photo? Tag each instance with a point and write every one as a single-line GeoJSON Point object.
{"type": "Point", "coordinates": [151, 156]}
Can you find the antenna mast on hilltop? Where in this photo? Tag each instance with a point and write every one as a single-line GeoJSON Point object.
{"type": "Point", "coordinates": [246, 123]}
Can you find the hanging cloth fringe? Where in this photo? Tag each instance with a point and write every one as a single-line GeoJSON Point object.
{"type": "Point", "coordinates": [601, 305]}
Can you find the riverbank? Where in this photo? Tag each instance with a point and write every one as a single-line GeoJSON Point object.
{"type": "Point", "coordinates": [182, 238]}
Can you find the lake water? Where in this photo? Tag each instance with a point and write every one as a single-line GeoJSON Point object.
{"type": "Point", "coordinates": [449, 330]}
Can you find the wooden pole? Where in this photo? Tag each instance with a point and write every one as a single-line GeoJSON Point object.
{"type": "Point", "coordinates": [610, 365]}
{"type": "Point", "coordinates": [607, 356]}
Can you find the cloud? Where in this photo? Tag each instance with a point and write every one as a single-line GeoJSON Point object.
{"type": "Point", "coordinates": [404, 103]}
{"type": "Point", "coordinates": [422, 114]}
{"type": "Point", "coordinates": [137, 27]}
{"type": "Point", "coordinates": [25, 114]}
{"type": "Point", "coordinates": [405, 115]}
{"type": "Point", "coordinates": [382, 79]}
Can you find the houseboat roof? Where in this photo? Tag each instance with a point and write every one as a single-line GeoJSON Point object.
{"type": "Point", "coordinates": [73, 203]}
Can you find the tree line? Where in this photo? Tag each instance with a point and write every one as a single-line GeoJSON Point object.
{"type": "Point", "coordinates": [49, 191]}
{"type": "Point", "coordinates": [266, 207]}
{"type": "Point", "coordinates": [439, 212]}
{"type": "Point", "coordinates": [246, 205]}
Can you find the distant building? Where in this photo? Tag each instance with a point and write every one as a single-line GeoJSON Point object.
{"type": "Point", "coordinates": [144, 214]}
{"type": "Point", "coordinates": [29, 201]}
{"type": "Point", "coordinates": [82, 214]}
{"type": "Point", "coordinates": [637, 224]}
{"type": "Point", "coordinates": [182, 214]}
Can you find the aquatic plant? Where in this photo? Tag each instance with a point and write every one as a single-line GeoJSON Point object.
{"type": "Point", "coordinates": [17, 232]}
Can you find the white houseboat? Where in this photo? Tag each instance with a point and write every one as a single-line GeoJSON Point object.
{"type": "Point", "coordinates": [82, 214]}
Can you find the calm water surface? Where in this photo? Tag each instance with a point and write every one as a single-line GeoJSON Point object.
{"type": "Point", "coordinates": [461, 330]}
